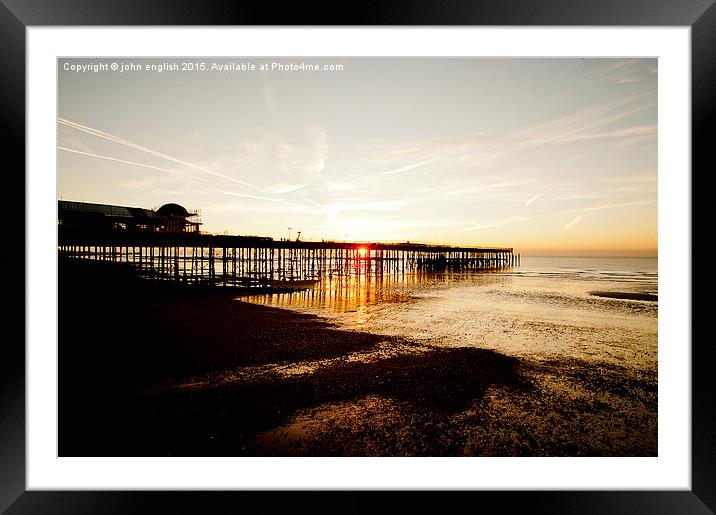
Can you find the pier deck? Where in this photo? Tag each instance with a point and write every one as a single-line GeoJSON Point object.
{"type": "Point", "coordinates": [252, 260]}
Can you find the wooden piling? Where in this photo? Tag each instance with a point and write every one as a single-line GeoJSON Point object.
{"type": "Point", "coordinates": [251, 260]}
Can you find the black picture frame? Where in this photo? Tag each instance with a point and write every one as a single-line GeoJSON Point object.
{"type": "Point", "coordinates": [17, 15]}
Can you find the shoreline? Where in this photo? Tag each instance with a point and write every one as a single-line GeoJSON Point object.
{"type": "Point", "coordinates": [160, 372]}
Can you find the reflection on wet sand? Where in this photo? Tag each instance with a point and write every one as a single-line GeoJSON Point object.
{"type": "Point", "coordinates": [353, 293]}
{"type": "Point", "coordinates": [542, 314]}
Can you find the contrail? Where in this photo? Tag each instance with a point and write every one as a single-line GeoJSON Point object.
{"type": "Point", "coordinates": [578, 219]}
{"type": "Point", "coordinates": [116, 139]}
{"type": "Point", "coordinates": [532, 200]}
{"type": "Point", "coordinates": [115, 159]}
{"type": "Point", "coordinates": [268, 199]}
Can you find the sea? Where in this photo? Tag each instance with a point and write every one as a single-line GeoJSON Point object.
{"type": "Point", "coordinates": [544, 309]}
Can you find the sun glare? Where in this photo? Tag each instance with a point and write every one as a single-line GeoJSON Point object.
{"type": "Point", "coordinates": [362, 252]}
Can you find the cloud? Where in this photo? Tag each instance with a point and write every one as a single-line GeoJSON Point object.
{"type": "Point", "coordinates": [68, 138]}
{"type": "Point", "coordinates": [530, 201]}
{"type": "Point", "coordinates": [116, 139]}
{"type": "Point", "coordinates": [305, 155]}
{"type": "Point", "coordinates": [338, 186]}
{"type": "Point", "coordinates": [148, 183]}
{"type": "Point", "coordinates": [578, 125]}
{"type": "Point", "coordinates": [631, 132]}
{"type": "Point", "coordinates": [279, 162]}
{"type": "Point", "coordinates": [577, 220]}
{"type": "Point", "coordinates": [265, 199]}
{"type": "Point", "coordinates": [498, 223]}
{"type": "Point", "coordinates": [466, 168]}
{"type": "Point", "coordinates": [633, 179]}
{"type": "Point", "coordinates": [602, 207]}
{"type": "Point", "coordinates": [493, 190]}
{"type": "Point", "coordinates": [408, 167]}
{"type": "Point", "coordinates": [268, 93]}
{"type": "Point", "coordinates": [283, 187]}
{"type": "Point", "coordinates": [117, 160]}
{"type": "Point", "coordinates": [381, 205]}
{"type": "Point", "coordinates": [622, 71]}
{"type": "Point", "coordinates": [477, 152]}
{"type": "Point", "coordinates": [250, 145]}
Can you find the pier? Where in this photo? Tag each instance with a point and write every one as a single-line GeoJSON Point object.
{"type": "Point", "coordinates": [257, 261]}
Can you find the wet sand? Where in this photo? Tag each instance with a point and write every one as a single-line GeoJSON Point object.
{"type": "Point", "coordinates": [627, 295]}
{"type": "Point", "coordinates": [152, 371]}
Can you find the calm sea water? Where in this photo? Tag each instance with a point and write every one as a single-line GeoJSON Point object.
{"type": "Point", "coordinates": [542, 309]}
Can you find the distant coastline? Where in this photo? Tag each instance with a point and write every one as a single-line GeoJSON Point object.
{"type": "Point", "coordinates": [589, 253]}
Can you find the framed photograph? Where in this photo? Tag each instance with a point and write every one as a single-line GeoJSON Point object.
{"type": "Point", "coordinates": [445, 250]}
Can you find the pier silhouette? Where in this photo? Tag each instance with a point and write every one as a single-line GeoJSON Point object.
{"type": "Point", "coordinates": [165, 245]}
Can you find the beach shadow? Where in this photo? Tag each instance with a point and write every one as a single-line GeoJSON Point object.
{"type": "Point", "coordinates": [126, 332]}
{"type": "Point", "coordinates": [221, 420]}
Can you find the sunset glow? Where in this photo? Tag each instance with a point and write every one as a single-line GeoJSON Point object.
{"type": "Point", "coordinates": [543, 155]}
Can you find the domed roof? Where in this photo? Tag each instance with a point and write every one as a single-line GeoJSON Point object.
{"type": "Point", "coordinates": [173, 210]}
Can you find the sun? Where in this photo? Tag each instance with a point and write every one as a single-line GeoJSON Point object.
{"type": "Point", "coordinates": [362, 252]}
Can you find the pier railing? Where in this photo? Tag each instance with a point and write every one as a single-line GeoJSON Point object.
{"type": "Point", "coordinates": [250, 261]}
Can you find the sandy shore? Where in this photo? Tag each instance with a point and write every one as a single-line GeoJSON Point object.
{"type": "Point", "coordinates": [166, 372]}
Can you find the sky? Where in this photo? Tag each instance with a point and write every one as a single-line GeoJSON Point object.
{"type": "Point", "coordinates": [542, 155]}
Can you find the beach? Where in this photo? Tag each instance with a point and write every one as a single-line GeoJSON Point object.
{"type": "Point", "coordinates": [158, 370]}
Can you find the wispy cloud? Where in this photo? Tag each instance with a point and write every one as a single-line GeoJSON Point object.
{"type": "Point", "coordinates": [271, 102]}
{"type": "Point", "coordinates": [622, 71]}
{"type": "Point", "coordinates": [71, 139]}
{"type": "Point", "coordinates": [576, 221]}
{"type": "Point", "coordinates": [265, 199]}
{"type": "Point", "coordinates": [339, 186]}
{"type": "Point", "coordinates": [631, 132]}
{"type": "Point", "coordinates": [305, 155]}
{"type": "Point", "coordinates": [147, 182]}
{"type": "Point", "coordinates": [497, 223]}
{"type": "Point", "coordinates": [333, 210]}
{"type": "Point", "coordinates": [639, 178]}
{"type": "Point", "coordinates": [578, 125]}
{"type": "Point", "coordinates": [283, 187]}
{"type": "Point", "coordinates": [370, 206]}
{"type": "Point", "coordinates": [602, 207]}
{"type": "Point", "coordinates": [487, 185]}
{"type": "Point", "coordinates": [117, 160]}
{"type": "Point", "coordinates": [531, 200]}
{"type": "Point", "coordinates": [116, 139]}
{"type": "Point", "coordinates": [408, 167]}
{"type": "Point", "coordinates": [481, 152]}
